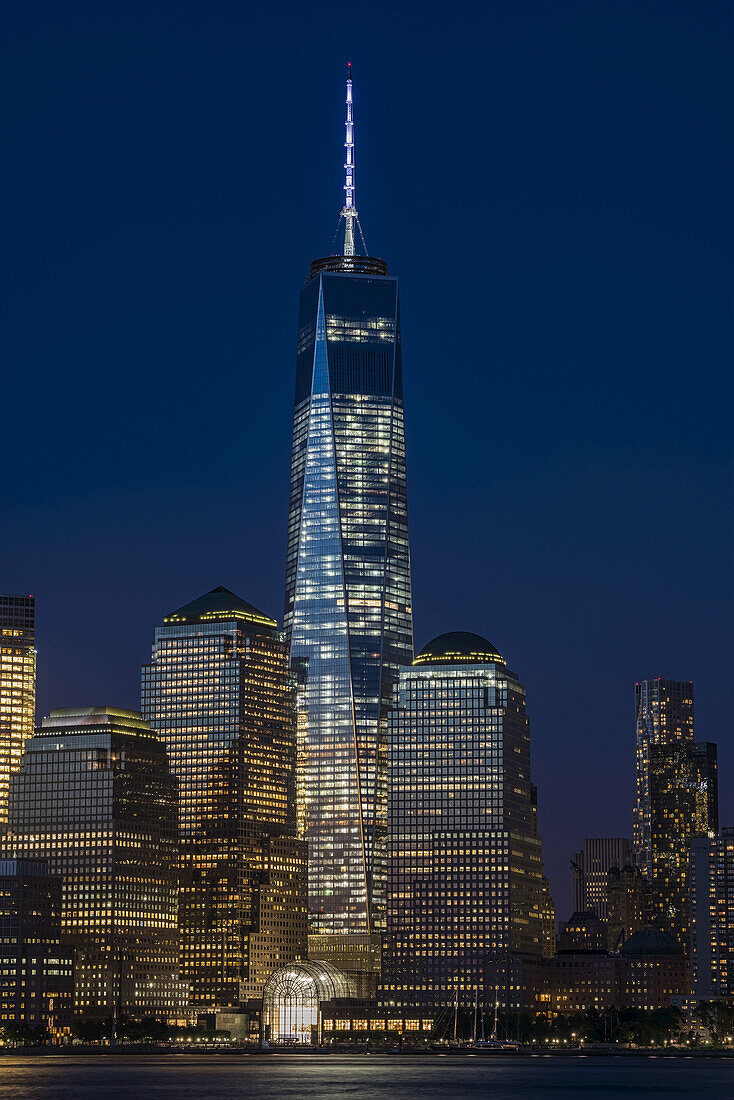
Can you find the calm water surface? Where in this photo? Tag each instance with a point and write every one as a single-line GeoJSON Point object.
{"type": "Point", "coordinates": [186, 1077]}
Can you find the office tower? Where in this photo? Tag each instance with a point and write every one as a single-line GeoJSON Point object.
{"type": "Point", "coordinates": [36, 970]}
{"type": "Point", "coordinates": [712, 916]}
{"type": "Point", "coordinates": [683, 805]}
{"type": "Point", "coordinates": [95, 798]}
{"type": "Point", "coordinates": [590, 867]}
{"type": "Point", "coordinates": [465, 870]}
{"type": "Point", "coordinates": [626, 904]}
{"type": "Point", "coordinates": [17, 686]}
{"type": "Point", "coordinates": [664, 716]}
{"type": "Point", "coordinates": [347, 603]}
{"type": "Point", "coordinates": [220, 693]}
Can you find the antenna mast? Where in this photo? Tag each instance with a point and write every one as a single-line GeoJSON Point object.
{"type": "Point", "coordinates": [349, 212]}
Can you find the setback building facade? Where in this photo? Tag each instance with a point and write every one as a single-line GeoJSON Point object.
{"type": "Point", "coordinates": [663, 716]}
{"type": "Point", "coordinates": [96, 800]}
{"type": "Point", "coordinates": [17, 686]}
{"type": "Point", "coordinates": [220, 693]}
{"type": "Point", "coordinates": [467, 895]}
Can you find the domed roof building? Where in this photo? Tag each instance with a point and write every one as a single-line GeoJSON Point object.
{"type": "Point", "coordinates": [649, 941]}
{"type": "Point", "coordinates": [459, 647]}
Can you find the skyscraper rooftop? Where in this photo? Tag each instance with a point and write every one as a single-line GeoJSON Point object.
{"type": "Point", "coordinates": [220, 604]}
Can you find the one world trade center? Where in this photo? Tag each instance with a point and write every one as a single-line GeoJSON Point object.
{"type": "Point", "coordinates": [348, 613]}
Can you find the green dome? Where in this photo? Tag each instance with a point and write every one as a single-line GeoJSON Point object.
{"type": "Point", "coordinates": [459, 647]}
{"type": "Point", "coordinates": [650, 941]}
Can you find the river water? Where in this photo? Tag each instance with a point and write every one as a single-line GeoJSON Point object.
{"type": "Point", "coordinates": [287, 1077]}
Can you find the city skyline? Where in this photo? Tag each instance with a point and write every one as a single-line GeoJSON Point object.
{"type": "Point", "coordinates": [684, 637]}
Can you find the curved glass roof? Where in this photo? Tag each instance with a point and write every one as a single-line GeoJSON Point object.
{"type": "Point", "coordinates": [318, 980]}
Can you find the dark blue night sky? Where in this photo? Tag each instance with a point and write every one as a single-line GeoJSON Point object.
{"type": "Point", "coordinates": [552, 182]}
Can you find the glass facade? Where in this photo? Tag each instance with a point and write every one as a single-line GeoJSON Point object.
{"type": "Point", "coordinates": [95, 798]}
{"type": "Point", "coordinates": [348, 615]}
{"type": "Point", "coordinates": [220, 693]}
{"type": "Point", "coordinates": [664, 716]}
{"type": "Point", "coordinates": [466, 890]}
{"type": "Point", "coordinates": [683, 805]}
{"type": "Point", "coordinates": [17, 686]}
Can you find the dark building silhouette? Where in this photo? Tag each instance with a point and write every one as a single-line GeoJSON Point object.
{"type": "Point", "coordinates": [36, 969]}
{"type": "Point", "coordinates": [95, 798]}
{"type": "Point", "coordinates": [683, 805]}
{"type": "Point", "coordinates": [627, 894]}
{"type": "Point", "coordinates": [220, 693]}
{"type": "Point", "coordinates": [17, 686]}
{"type": "Point", "coordinates": [467, 895]}
{"type": "Point", "coordinates": [583, 931]}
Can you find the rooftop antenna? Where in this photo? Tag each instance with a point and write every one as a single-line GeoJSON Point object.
{"type": "Point", "coordinates": [349, 212]}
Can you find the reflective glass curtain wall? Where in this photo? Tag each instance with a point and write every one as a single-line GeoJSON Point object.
{"type": "Point", "coordinates": [348, 604]}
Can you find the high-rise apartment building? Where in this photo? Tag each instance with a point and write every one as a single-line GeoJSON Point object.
{"type": "Point", "coordinates": [590, 867]}
{"type": "Point", "coordinates": [348, 612]}
{"type": "Point", "coordinates": [17, 686]}
{"type": "Point", "coordinates": [663, 716]}
{"type": "Point", "coordinates": [683, 805]}
{"type": "Point", "coordinates": [96, 800]}
{"type": "Point", "coordinates": [467, 896]}
{"type": "Point", "coordinates": [36, 970]}
{"type": "Point", "coordinates": [712, 916]}
{"type": "Point", "coordinates": [220, 693]}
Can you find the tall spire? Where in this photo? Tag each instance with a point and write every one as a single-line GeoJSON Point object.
{"type": "Point", "coordinates": [349, 212]}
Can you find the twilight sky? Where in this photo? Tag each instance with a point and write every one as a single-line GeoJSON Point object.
{"type": "Point", "coordinates": [552, 182]}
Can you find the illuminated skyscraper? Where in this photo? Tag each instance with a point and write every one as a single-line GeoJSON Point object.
{"type": "Point", "coordinates": [17, 686]}
{"type": "Point", "coordinates": [348, 611]}
{"type": "Point", "coordinates": [664, 716]}
{"type": "Point", "coordinates": [684, 804]}
{"type": "Point", "coordinates": [220, 693]}
{"type": "Point", "coordinates": [467, 898]}
{"type": "Point", "coordinates": [95, 798]}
